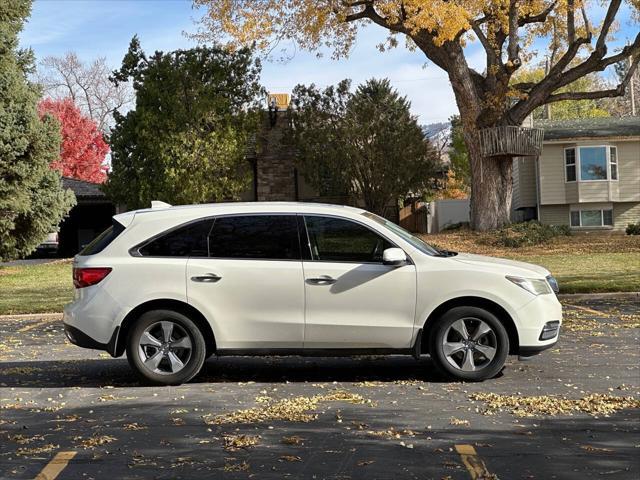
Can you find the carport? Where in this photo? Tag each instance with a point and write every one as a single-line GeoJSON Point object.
{"type": "Point", "coordinates": [91, 215]}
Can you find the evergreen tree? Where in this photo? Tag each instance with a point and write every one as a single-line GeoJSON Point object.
{"type": "Point", "coordinates": [186, 139]}
{"type": "Point", "coordinates": [366, 143]}
{"type": "Point", "coordinates": [32, 201]}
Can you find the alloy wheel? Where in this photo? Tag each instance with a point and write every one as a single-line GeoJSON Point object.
{"type": "Point", "coordinates": [469, 344]}
{"type": "Point", "coordinates": [165, 347]}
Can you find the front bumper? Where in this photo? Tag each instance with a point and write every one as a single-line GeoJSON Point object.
{"type": "Point", "coordinates": [81, 339]}
{"type": "Point", "coordinates": [525, 353]}
{"type": "Point", "coordinates": [538, 323]}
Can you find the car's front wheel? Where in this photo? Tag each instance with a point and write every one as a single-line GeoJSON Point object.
{"type": "Point", "coordinates": [469, 343]}
{"type": "Point", "coordinates": [165, 347]}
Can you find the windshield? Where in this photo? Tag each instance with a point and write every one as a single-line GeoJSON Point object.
{"type": "Point", "coordinates": [418, 243]}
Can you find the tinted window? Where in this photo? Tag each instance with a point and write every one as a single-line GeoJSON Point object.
{"type": "Point", "coordinates": [186, 241]}
{"type": "Point", "coordinates": [337, 240]}
{"type": "Point", "coordinates": [268, 237]}
{"type": "Point", "coordinates": [101, 241]}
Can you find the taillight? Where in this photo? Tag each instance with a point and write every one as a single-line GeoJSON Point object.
{"type": "Point", "coordinates": [85, 277]}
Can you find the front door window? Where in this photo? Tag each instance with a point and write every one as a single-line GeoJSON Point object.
{"type": "Point", "coordinates": [338, 240]}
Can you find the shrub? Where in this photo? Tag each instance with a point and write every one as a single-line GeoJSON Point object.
{"type": "Point", "coordinates": [528, 233]}
{"type": "Point", "coordinates": [633, 229]}
{"type": "Point", "coordinates": [456, 226]}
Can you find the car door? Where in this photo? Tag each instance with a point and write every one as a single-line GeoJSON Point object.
{"type": "Point", "coordinates": [353, 300]}
{"type": "Point", "coordinates": [250, 286]}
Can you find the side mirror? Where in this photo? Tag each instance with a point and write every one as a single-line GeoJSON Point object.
{"type": "Point", "coordinates": [394, 256]}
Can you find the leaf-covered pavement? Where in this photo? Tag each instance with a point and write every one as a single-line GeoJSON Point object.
{"type": "Point", "coordinates": [569, 413]}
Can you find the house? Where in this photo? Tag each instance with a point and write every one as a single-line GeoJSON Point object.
{"type": "Point", "coordinates": [91, 215]}
{"type": "Point", "coordinates": [587, 176]}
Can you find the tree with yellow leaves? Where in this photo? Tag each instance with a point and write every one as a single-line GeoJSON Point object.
{"type": "Point", "coordinates": [440, 29]}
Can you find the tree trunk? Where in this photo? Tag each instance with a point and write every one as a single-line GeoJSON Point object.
{"type": "Point", "coordinates": [491, 186]}
{"type": "Point", "coordinates": [491, 180]}
{"type": "Point", "coordinates": [491, 191]}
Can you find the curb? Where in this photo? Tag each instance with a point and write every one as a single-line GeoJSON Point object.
{"type": "Point", "coordinates": [600, 296]}
{"type": "Point", "coordinates": [31, 316]}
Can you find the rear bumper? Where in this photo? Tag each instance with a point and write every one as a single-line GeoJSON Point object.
{"type": "Point", "coordinates": [81, 339]}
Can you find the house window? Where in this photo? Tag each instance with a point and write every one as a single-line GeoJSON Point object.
{"type": "Point", "coordinates": [591, 218]}
{"type": "Point", "coordinates": [593, 163]}
{"type": "Point", "coordinates": [575, 218]}
{"type": "Point", "coordinates": [570, 164]}
{"type": "Point", "coordinates": [613, 161]}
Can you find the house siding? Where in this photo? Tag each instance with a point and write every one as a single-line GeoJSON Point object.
{"type": "Point", "coordinates": [554, 214]}
{"type": "Point", "coordinates": [552, 184]}
{"type": "Point", "coordinates": [624, 214]}
{"type": "Point", "coordinates": [629, 171]}
{"type": "Point", "coordinates": [524, 182]}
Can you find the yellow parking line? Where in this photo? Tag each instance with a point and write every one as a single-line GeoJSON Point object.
{"type": "Point", "coordinates": [37, 324]}
{"type": "Point", "coordinates": [588, 310]}
{"type": "Point", "coordinates": [475, 465]}
{"type": "Point", "coordinates": [55, 466]}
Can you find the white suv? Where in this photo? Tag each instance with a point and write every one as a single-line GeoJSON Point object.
{"type": "Point", "coordinates": [174, 285]}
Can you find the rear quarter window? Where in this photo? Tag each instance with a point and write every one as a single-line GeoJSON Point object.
{"type": "Point", "coordinates": [186, 241]}
{"type": "Point", "coordinates": [101, 242]}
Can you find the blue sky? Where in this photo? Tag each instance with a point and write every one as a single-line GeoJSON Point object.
{"type": "Point", "coordinates": [94, 28]}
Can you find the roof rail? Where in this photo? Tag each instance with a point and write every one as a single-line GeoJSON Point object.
{"type": "Point", "coordinates": [159, 204]}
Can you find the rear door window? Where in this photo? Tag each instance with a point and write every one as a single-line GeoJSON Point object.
{"type": "Point", "coordinates": [101, 242]}
{"type": "Point", "coordinates": [260, 237]}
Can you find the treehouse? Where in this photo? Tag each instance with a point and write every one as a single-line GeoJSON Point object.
{"type": "Point", "coordinates": [511, 141]}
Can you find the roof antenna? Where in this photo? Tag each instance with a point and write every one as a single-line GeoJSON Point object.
{"type": "Point", "coordinates": [159, 204]}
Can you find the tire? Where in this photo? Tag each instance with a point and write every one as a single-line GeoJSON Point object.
{"type": "Point", "coordinates": [163, 362]}
{"type": "Point", "coordinates": [479, 356]}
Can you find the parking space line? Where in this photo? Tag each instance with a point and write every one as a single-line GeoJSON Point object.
{"type": "Point", "coordinates": [37, 324]}
{"type": "Point", "coordinates": [55, 466]}
{"type": "Point", "coordinates": [588, 310]}
{"type": "Point", "coordinates": [476, 467]}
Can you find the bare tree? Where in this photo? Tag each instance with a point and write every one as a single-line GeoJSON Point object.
{"type": "Point", "coordinates": [87, 84]}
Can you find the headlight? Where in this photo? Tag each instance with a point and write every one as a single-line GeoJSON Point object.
{"type": "Point", "coordinates": [532, 285]}
{"type": "Point", "coordinates": [553, 283]}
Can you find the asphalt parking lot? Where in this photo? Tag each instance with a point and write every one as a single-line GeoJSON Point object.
{"type": "Point", "coordinates": [570, 413]}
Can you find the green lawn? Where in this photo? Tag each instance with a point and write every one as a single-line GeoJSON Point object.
{"type": "Point", "coordinates": [35, 288]}
{"type": "Point", "coordinates": [46, 288]}
{"type": "Point", "coordinates": [591, 272]}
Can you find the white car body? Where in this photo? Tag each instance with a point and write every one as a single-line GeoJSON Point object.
{"type": "Point", "coordinates": [267, 306]}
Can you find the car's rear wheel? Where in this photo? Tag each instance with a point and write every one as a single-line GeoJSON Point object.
{"type": "Point", "coordinates": [165, 347]}
{"type": "Point", "coordinates": [469, 343]}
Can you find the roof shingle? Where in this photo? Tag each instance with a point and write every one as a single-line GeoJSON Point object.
{"type": "Point", "coordinates": [589, 127]}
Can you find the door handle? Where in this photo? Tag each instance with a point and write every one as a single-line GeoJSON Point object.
{"type": "Point", "coordinates": [208, 278]}
{"type": "Point", "coordinates": [322, 280]}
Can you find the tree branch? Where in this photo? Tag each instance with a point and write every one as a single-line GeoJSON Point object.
{"type": "Point", "coordinates": [513, 49]}
{"type": "Point", "coordinates": [593, 63]}
{"type": "Point", "coordinates": [612, 92]}
{"type": "Point", "coordinates": [571, 21]}
{"type": "Point", "coordinates": [606, 26]}
{"type": "Point", "coordinates": [539, 18]}
{"type": "Point", "coordinates": [523, 86]}
{"type": "Point", "coordinates": [492, 58]}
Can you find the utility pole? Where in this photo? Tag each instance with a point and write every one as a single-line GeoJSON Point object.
{"type": "Point", "coordinates": [547, 107]}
